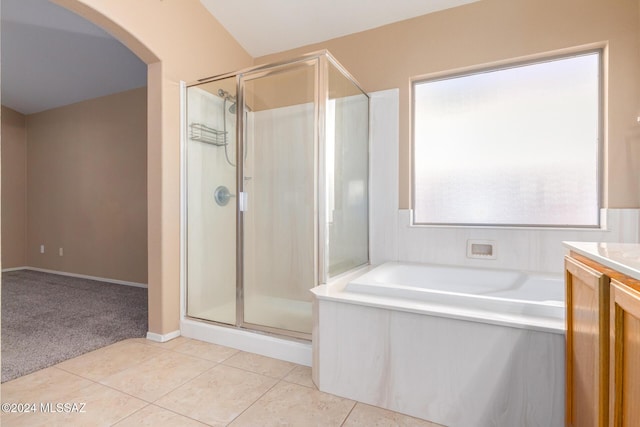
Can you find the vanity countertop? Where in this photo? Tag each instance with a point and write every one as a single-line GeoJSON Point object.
{"type": "Point", "coordinates": [622, 257]}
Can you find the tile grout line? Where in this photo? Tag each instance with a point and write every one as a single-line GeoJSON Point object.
{"type": "Point", "coordinates": [131, 395]}
{"type": "Point", "coordinates": [208, 360]}
{"type": "Point", "coordinates": [221, 363]}
{"type": "Point", "coordinates": [161, 408]}
{"type": "Point", "coordinates": [92, 381]}
{"type": "Point", "coordinates": [355, 402]}
{"type": "Point", "coordinates": [67, 392]}
{"type": "Point", "coordinates": [258, 373]}
{"type": "Point", "coordinates": [236, 351]}
{"type": "Point", "coordinates": [303, 385]}
{"type": "Point", "coordinates": [189, 380]}
{"type": "Point", "coordinates": [143, 360]}
{"type": "Point", "coordinates": [255, 401]}
{"type": "Point", "coordinates": [130, 415]}
{"type": "Point", "coordinates": [124, 392]}
{"type": "Point", "coordinates": [176, 387]}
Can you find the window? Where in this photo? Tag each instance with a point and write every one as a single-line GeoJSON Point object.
{"type": "Point", "coordinates": [513, 146]}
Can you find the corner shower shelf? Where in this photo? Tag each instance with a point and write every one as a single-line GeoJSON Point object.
{"type": "Point", "coordinates": [204, 133]}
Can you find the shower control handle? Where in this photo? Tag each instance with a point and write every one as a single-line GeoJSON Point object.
{"type": "Point", "coordinates": [222, 195]}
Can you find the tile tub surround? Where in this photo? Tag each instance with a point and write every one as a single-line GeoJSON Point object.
{"type": "Point", "coordinates": [216, 386]}
{"type": "Point", "coordinates": [525, 249]}
{"type": "Point", "coordinates": [383, 158]}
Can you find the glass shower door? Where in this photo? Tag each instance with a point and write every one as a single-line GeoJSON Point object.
{"type": "Point", "coordinates": [211, 201]}
{"type": "Point", "coordinates": [279, 218]}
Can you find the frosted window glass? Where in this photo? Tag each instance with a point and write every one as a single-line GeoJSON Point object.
{"type": "Point", "coordinates": [514, 146]}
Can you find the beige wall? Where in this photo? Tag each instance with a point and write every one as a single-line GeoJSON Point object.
{"type": "Point", "coordinates": [492, 31]}
{"type": "Point", "coordinates": [181, 41]}
{"type": "Point", "coordinates": [87, 189]}
{"type": "Point", "coordinates": [14, 190]}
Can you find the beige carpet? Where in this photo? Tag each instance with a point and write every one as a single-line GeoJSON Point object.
{"type": "Point", "coordinates": [48, 318]}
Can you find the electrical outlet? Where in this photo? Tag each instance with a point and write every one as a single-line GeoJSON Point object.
{"type": "Point", "coordinates": [60, 252]}
{"type": "Point", "coordinates": [41, 249]}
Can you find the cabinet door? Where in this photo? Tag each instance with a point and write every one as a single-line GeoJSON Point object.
{"type": "Point", "coordinates": [625, 357]}
{"type": "Point", "coordinates": [587, 352]}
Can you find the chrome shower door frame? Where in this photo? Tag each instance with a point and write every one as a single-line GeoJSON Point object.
{"type": "Point", "coordinates": [247, 76]}
{"type": "Point", "coordinates": [320, 60]}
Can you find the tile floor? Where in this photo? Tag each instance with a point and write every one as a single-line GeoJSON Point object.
{"type": "Point", "coordinates": [183, 382]}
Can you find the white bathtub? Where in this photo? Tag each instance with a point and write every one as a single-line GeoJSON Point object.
{"type": "Point", "coordinates": [453, 345]}
{"type": "Point", "coordinates": [513, 298]}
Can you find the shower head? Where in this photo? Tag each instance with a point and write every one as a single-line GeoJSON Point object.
{"type": "Point", "coordinates": [228, 97]}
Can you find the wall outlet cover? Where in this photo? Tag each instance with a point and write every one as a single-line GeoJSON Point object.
{"type": "Point", "coordinates": [482, 249]}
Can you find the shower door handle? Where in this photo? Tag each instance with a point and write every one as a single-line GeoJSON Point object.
{"type": "Point", "coordinates": [243, 201]}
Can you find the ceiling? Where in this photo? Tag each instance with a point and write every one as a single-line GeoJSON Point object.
{"type": "Point", "coordinates": [51, 57]}
{"type": "Point", "coordinates": [268, 26]}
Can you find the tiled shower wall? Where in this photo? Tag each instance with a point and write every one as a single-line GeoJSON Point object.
{"type": "Point", "coordinates": [394, 239]}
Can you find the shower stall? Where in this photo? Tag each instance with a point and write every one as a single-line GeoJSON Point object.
{"type": "Point", "coordinates": [276, 191]}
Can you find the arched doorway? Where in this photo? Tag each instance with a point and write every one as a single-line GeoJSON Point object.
{"type": "Point", "coordinates": [157, 328]}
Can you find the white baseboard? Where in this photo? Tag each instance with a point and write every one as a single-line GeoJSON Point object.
{"type": "Point", "coordinates": [6, 270]}
{"type": "Point", "coordinates": [152, 336]}
{"type": "Point", "coordinates": [83, 276]}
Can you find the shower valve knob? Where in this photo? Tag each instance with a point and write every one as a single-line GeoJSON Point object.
{"type": "Point", "coordinates": [222, 195]}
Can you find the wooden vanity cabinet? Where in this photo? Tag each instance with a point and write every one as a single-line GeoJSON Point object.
{"type": "Point", "coordinates": [587, 350]}
{"type": "Point", "coordinates": [603, 345]}
{"type": "Point", "coordinates": [625, 354]}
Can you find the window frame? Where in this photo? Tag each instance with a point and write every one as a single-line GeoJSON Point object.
{"type": "Point", "coordinates": [504, 65]}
